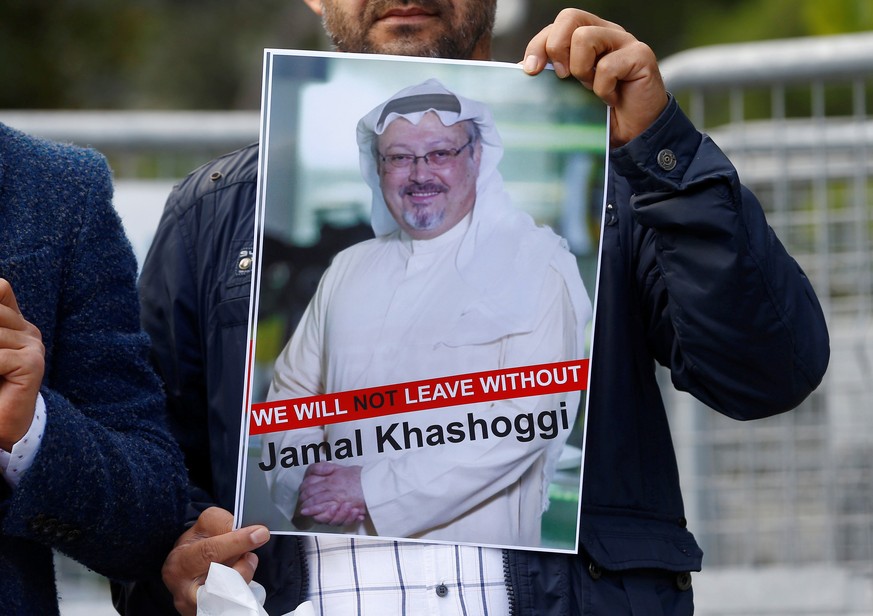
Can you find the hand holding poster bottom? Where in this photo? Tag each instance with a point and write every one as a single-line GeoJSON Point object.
{"type": "Point", "coordinates": [487, 386]}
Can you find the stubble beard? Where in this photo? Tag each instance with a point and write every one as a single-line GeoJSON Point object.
{"type": "Point", "coordinates": [457, 37]}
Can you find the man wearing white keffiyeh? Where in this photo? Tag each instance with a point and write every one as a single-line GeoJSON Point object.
{"type": "Point", "coordinates": [456, 281]}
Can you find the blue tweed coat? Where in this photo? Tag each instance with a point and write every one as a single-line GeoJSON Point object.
{"type": "Point", "coordinates": [107, 486]}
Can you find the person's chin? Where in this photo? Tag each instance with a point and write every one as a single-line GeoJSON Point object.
{"type": "Point", "coordinates": [403, 41]}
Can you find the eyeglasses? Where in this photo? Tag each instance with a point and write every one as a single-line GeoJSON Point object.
{"type": "Point", "coordinates": [438, 159]}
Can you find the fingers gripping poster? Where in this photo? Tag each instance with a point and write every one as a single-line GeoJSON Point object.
{"type": "Point", "coordinates": [426, 265]}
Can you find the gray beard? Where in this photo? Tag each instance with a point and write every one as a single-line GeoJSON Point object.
{"type": "Point", "coordinates": [423, 221]}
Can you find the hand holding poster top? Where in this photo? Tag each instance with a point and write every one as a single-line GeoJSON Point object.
{"type": "Point", "coordinates": [433, 387]}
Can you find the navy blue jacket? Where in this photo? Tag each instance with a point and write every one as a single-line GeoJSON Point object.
{"type": "Point", "coordinates": [692, 278]}
{"type": "Point", "coordinates": [107, 485]}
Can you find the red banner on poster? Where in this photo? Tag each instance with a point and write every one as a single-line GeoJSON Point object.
{"type": "Point", "coordinates": [473, 388]}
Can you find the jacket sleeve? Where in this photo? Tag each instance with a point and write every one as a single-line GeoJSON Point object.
{"type": "Point", "coordinates": [178, 287]}
{"type": "Point", "coordinates": [107, 484]}
{"type": "Point", "coordinates": [728, 310]}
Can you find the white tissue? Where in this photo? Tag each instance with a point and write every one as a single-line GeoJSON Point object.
{"type": "Point", "coordinates": [225, 593]}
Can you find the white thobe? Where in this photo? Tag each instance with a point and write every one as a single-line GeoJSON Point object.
{"type": "Point", "coordinates": [393, 310]}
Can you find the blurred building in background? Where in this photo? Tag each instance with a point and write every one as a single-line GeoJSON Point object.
{"type": "Point", "coordinates": [782, 507]}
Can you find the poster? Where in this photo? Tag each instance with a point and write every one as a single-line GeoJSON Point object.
{"type": "Point", "coordinates": [426, 261]}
